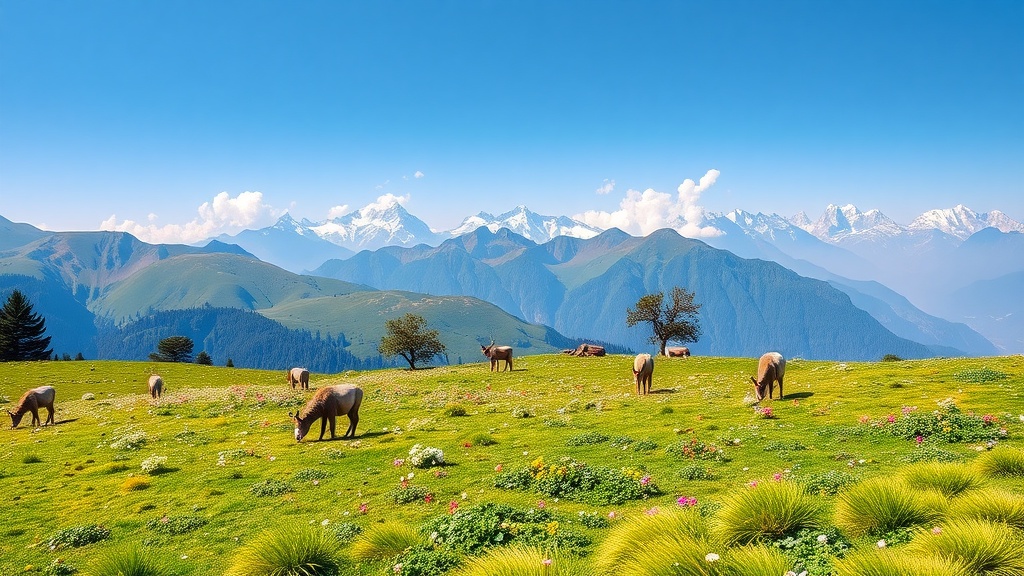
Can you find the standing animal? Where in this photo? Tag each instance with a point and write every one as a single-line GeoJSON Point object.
{"type": "Point", "coordinates": [643, 373]}
{"type": "Point", "coordinates": [298, 376]}
{"type": "Point", "coordinates": [677, 351]}
{"type": "Point", "coordinates": [156, 386]}
{"type": "Point", "coordinates": [32, 401]}
{"type": "Point", "coordinates": [327, 404]}
{"type": "Point", "coordinates": [771, 368]}
{"type": "Point", "coordinates": [496, 354]}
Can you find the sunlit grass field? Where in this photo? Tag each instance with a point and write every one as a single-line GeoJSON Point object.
{"type": "Point", "coordinates": [216, 457]}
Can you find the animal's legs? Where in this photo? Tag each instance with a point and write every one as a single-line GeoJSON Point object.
{"type": "Point", "coordinates": [49, 417]}
{"type": "Point", "coordinates": [332, 427]}
{"type": "Point", "coordinates": [323, 427]}
{"type": "Point", "coordinates": [353, 419]}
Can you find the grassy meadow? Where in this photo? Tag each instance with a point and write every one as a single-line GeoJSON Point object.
{"type": "Point", "coordinates": [194, 478]}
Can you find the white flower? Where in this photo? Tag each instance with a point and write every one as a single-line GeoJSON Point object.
{"type": "Point", "coordinates": [822, 539]}
{"type": "Point", "coordinates": [410, 475]}
{"type": "Point", "coordinates": [880, 543]}
{"type": "Point", "coordinates": [712, 557]}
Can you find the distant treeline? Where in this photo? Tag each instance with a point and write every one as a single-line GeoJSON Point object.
{"type": "Point", "coordinates": [249, 339]}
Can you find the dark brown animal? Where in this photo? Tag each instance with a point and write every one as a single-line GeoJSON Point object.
{"type": "Point", "coordinates": [32, 401]}
{"type": "Point", "coordinates": [586, 350]}
{"type": "Point", "coordinates": [327, 404]}
{"type": "Point", "coordinates": [771, 368]}
{"type": "Point", "coordinates": [156, 386]}
{"type": "Point", "coordinates": [643, 373]}
{"type": "Point", "coordinates": [497, 354]}
{"type": "Point", "coordinates": [298, 376]}
{"type": "Point", "coordinates": [677, 352]}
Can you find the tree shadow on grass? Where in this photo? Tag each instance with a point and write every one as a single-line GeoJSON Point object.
{"type": "Point", "coordinates": [799, 395]}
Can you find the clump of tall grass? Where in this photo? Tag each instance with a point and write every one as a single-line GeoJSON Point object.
{"type": "Point", "coordinates": [947, 478]}
{"type": "Point", "coordinates": [131, 561]}
{"type": "Point", "coordinates": [888, 562]}
{"type": "Point", "coordinates": [133, 483]}
{"type": "Point", "coordinates": [1002, 461]}
{"type": "Point", "coordinates": [523, 561]}
{"type": "Point", "coordinates": [385, 541]}
{"type": "Point", "coordinates": [881, 505]}
{"type": "Point", "coordinates": [990, 504]}
{"type": "Point", "coordinates": [755, 560]}
{"type": "Point", "coordinates": [984, 547]}
{"type": "Point", "coordinates": [665, 530]}
{"type": "Point", "coordinates": [768, 511]}
{"type": "Point", "coordinates": [290, 551]}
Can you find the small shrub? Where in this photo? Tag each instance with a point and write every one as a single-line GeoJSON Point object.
{"type": "Point", "coordinates": [891, 358]}
{"type": "Point", "coordinates": [696, 472]}
{"type": "Point", "coordinates": [695, 449]}
{"type": "Point", "coordinates": [454, 410]}
{"type": "Point", "coordinates": [928, 452]}
{"type": "Point", "coordinates": [521, 412]}
{"type": "Point", "coordinates": [310, 474]}
{"type": "Point", "coordinates": [881, 505]}
{"type": "Point", "coordinates": [292, 551]}
{"type": "Point", "coordinates": [586, 439]}
{"type": "Point", "coordinates": [88, 396]}
{"type": "Point", "coordinates": [483, 439]}
{"type": "Point", "coordinates": [133, 483]}
{"type": "Point", "coordinates": [346, 531]}
{"type": "Point", "coordinates": [949, 479]}
{"type": "Point", "coordinates": [425, 560]}
{"type": "Point", "coordinates": [153, 464]}
{"type": "Point", "coordinates": [1002, 461]}
{"type": "Point", "coordinates": [666, 410]}
{"type": "Point", "coordinates": [174, 525]}
{"type": "Point", "coordinates": [385, 541]}
{"type": "Point", "coordinates": [426, 456]}
{"type": "Point", "coordinates": [407, 494]}
{"type": "Point", "coordinates": [592, 519]}
{"type": "Point", "coordinates": [128, 439]}
{"type": "Point", "coordinates": [644, 445]}
{"type": "Point", "coordinates": [59, 568]}
{"type": "Point", "coordinates": [946, 424]}
{"type": "Point", "coordinates": [984, 547]}
{"type": "Point", "coordinates": [474, 528]}
{"type": "Point", "coordinates": [979, 375]}
{"type": "Point", "coordinates": [131, 561]}
{"type": "Point", "coordinates": [575, 480]}
{"type": "Point", "coordinates": [814, 550]}
{"type": "Point", "coordinates": [77, 536]}
{"type": "Point", "coordinates": [271, 487]}
{"type": "Point", "coordinates": [828, 483]}
{"type": "Point", "coordinates": [770, 511]}
{"type": "Point", "coordinates": [30, 459]}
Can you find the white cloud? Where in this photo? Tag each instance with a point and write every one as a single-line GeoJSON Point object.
{"type": "Point", "coordinates": [606, 188]}
{"type": "Point", "coordinates": [386, 201]}
{"type": "Point", "coordinates": [222, 215]}
{"type": "Point", "coordinates": [641, 213]}
{"type": "Point", "coordinates": [418, 174]}
{"type": "Point", "coordinates": [337, 211]}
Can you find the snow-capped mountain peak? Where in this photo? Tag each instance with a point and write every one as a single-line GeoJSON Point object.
{"type": "Point", "coordinates": [528, 224]}
{"type": "Point", "coordinates": [961, 222]}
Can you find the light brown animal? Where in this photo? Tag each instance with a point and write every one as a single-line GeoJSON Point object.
{"type": "Point", "coordinates": [771, 368]}
{"type": "Point", "coordinates": [298, 376]}
{"type": "Point", "coordinates": [327, 404]}
{"type": "Point", "coordinates": [156, 386]}
{"type": "Point", "coordinates": [497, 354]}
{"type": "Point", "coordinates": [586, 350]}
{"type": "Point", "coordinates": [32, 401]}
{"type": "Point", "coordinates": [677, 352]}
{"type": "Point", "coordinates": [643, 373]}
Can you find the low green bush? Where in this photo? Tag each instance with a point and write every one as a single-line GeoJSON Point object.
{"type": "Point", "coordinates": [77, 536]}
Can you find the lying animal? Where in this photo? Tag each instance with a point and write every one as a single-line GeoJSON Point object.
{"type": "Point", "coordinates": [156, 386]}
{"type": "Point", "coordinates": [643, 372]}
{"type": "Point", "coordinates": [496, 354]}
{"type": "Point", "coordinates": [327, 404]}
{"type": "Point", "coordinates": [586, 350]}
{"type": "Point", "coordinates": [32, 401]}
{"type": "Point", "coordinates": [771, 368]}
{"type": "Point", "coordinates": [298, 376]}
{"type": "Point", "coordinates": [677, 352]}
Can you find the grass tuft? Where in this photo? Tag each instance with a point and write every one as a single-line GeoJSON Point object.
{"type": "Point", "coordinates": [881, 505]}
{"type": "Point", "coordinates": [891, 562]}
{"type": "Point", "coordinates": [630, 542]}
{"type": "Point", "coordinates": [949, 479]}
{"type": "Point", "coordinates": [293, 551]}
{"type": "Point", "coordinates": [768, 511]}
{"type": "Point", "coordinates": [984, 547]}
{"type": "Point", "coordinates": [523, 561]}
{"type": "Point", "coordinates": [990, 504]}
{"type": "Point", "coordinates": [384, 541]}
{"type": "Point", "coordinates": [755, 561]}
{"type": "Point", "coordinates": [134, 483]}
{"type": "Point", "coordinates": [131, 561]}
{"type": "Point", "coordinates": [1002, 461]}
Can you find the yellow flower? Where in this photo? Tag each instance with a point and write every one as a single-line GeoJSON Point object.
{"type": "Point", "coordinates": [551, 527]}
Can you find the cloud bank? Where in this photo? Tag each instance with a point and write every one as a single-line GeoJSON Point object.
{"type": "Point", "coordinates": [222, 215]}
{"type": "Point", "coordinates": [641, 213]}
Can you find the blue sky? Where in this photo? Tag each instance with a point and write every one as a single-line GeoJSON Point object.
{"type": "Point", "coordinates": [166, 114]}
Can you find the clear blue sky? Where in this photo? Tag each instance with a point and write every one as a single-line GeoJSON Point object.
{"type": "Point", "coordinates": [131, 109]}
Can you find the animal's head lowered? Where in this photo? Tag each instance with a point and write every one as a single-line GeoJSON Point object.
{"type": "Point", "coordinates": [15, 418]}
{"type": "Point", "coordinates": [759, 389]}
{"type": "Point", "coordinates": [301, 428]}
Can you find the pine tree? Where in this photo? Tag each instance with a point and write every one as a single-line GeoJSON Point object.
{"type": "Point", "coordinates": [21, 331]}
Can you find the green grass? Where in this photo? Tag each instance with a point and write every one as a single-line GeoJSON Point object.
{"type": "Point", "coordinates": [226, 430]}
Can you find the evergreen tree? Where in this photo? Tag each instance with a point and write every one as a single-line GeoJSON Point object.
{"type": "Point", "coordinates": [204, 359]}
{"type": "Point", "coordinates": [173, 349]}
{"type": "Point", "coordinates": [21, 331]}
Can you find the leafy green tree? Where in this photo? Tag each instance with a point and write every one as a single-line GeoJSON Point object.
{"type": "Point", "coordinates": [229, 363]}
{"type": "Point", "coordinates": [669, 321]}
{"type": "Point", "coordinates": [21, 331]}
{"type": "Point", "coordinates": [407, 337]}
{"type": "Point", "coordinates": [204, 359]}
{"type": "Point", "coordinates": [173, 349]}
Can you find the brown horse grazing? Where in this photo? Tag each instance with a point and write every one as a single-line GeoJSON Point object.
{"type": "Point", "coordinates": [298, 376]}
{"type": "Point", "coordinates": [32, 401]}
{"type": "Point", "coordinates": [327, 404]}
{"type": "Point", "coordinates": [677, 352]}
{"type": "Point", "coordinates": [496, 354]}
{"type": "Point", "coordinates": [156, 386]}
{"type": "Point", "coordinates": [770, 368]}
{"type": "Point", "coordinates": [643, 373]}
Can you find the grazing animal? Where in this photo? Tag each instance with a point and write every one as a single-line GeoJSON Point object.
{"type": "Point", "coordinates": [327, 404]}
{"type": "Point", "coordinates": [156, 386]}
{"type": "Point", "coordinates": [643, 373]}
{"type": "Point", "coordinates": [32, 401]}
{"type": "Point", "coordinates": [298, 376]}
{"type": "Point", "coordinates": [586, 350]}
{"type": "Point", "coordinates": [677, 352]}
{"type": "Point", "coordinates": [771, 368]}
{"type": "Point", "coordinates": [496, 354]}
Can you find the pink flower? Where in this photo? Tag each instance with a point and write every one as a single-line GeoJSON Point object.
{"type": "Point", "coordinates": [919, 439]}
{"type": "Point", "coordinates": [865, 419]}
{"type": "Point", "coordinates": [936, 530]}
{"type": "Point", "coordinates": [398, 462]}
{"type": "Point", "coordinates": [541, 504]}
{"type": "Point", "coordinates": [453, 506]}
{"type": "Point", "coordinates": [497, 468]}
{"type": "Point", "coordinates": [652, 511]}
{"type": "Point", "coordinates": [890, 418]}
{"type": "Point", "coordinates": [645, 480]}
{"type": "Point", "coordinates": [428, 498]}
{"type": "Point", "coordinates": [362, 508]}
{"type": "Point", "coordinates": [777, 477]}
{"type": "Point", "coordinates": [686, 501]}
{"type": "Point", "coordinates": [546, 562]}
{"type": "Point", "coordinates": [752, 484]}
